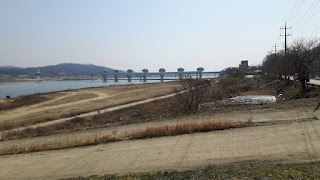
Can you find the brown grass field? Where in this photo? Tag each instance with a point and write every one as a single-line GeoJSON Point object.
{"type": "Point", "coordinates": [39, 108]}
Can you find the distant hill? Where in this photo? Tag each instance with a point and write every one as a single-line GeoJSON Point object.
{"type": "Point", "coordinates": [9, 67]}
{"type": "Point", "coordinates": [59, 69]}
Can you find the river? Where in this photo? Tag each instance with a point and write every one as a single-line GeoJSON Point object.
{"type": "Point", "coordinates": [15, 89]}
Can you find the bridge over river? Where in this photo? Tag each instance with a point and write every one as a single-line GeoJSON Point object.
{"type": "Point", "coordinates": [145, 75]}
{"type": "Point", "coordinates": [162, 74]}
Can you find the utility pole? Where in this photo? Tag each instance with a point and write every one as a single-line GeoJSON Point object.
{"type": "Point", "coordinates": [275, 49]}
{"type": "Point", "coordinates": [285, 37]}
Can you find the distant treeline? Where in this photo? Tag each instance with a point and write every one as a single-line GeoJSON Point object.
{"type": "Point", "coordinates": [301, 59]}
{"type": "Point", "coordinates": [55, 70]}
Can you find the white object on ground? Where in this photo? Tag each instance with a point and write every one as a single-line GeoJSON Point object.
{"type": "Point", "coordinates": [258, 99]}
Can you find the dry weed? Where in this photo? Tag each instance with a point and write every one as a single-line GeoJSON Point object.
{"type": "Point", "coordinates": [151, 132]}
{"type": "Point", "coordinates": [187, 128]}
{"type": "Point", "coordinates": [59, 145]}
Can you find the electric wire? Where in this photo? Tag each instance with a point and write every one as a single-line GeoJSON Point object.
{"type": "Point", "coordinates": [292, 10]}
{"type": "Point", "coordinates": [307, 16]}
{"type": "Point", "coordinates": [278, 36]}
{"type": "Point", "coordinates": [295, 15]}
{"type": "Point", "coordinates": [307, 13]}
{"type": "Point", "coordinates": [307, 19]}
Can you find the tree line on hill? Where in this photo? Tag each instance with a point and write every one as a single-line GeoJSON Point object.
{"type": "Point", "coordinates": [300, 58]}
{"type": "Point", "coordinates": [55, 70]}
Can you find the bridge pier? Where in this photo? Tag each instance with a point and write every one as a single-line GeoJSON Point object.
{"type": "Point", "coordinates": [116, 75]}
{"type": "Point", "coordinates": [180, 71]}
{"type": "Point", "coordinates": [162, 71]}
{"type": "Point", "coordinates": [145, 72]}
{"type": "Point", "coordinates": [129, 74]}
{"type": "Point", "coordinates": [199, 71]}
{"type": "Point", "coordinates": [105, 75]}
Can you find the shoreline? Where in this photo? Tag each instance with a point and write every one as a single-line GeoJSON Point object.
{"type": "Point", "coordinates": [59, 86]}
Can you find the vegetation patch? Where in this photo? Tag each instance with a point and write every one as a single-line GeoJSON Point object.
{"type": "Point", "coordinates": [22, 101]}
{"type": "Point", "coordinates": [56, 146]}
{"type": "Point", "coordinates": [273, 171]}
{"type": "Point", "coordinates": [187, 128]}
{"type": "Point", "coordinates": [159, 109]}
{"type": "Point", "coordinates": [178, 129]}
{"type": "Point", "coordinates": [213, 101]}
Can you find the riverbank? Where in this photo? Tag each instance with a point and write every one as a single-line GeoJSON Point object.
{"type": "Point", "coordinates": [29, 87]}
{"type": "Point", "coordinates": [282, 132]}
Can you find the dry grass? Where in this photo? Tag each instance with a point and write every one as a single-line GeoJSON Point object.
{"type": "Point", "coordinates": [226, 88]}
{"type": "Point", "coordinates": [151, 132]}
{"type": "Point", "coordinates": [22, 101]}
{"type": "Point", "coordinates": [78, 96]}
{"type": "Point", "coordinates": [187, 128]}
{"type": "Point", "coordinates": [8, 125]}
{"type": "Point", "coordinates": [56, 146]}
{"type": "Point", "coordinates": [5, 103]}
{"type": "Point", "coordinates": [159, 109]}
{"type": "Point", "coordinates": [113, 96]}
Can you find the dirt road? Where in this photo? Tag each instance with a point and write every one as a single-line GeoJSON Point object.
{"type": "Point", "coordinates": [293, 142]}
{"type": "Point", "coordinates": [260, 115]}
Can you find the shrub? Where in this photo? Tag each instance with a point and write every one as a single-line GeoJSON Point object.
{"type": "Point", "coordinates": [192, 94]}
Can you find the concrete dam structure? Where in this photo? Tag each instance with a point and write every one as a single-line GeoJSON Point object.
{"type": "Point", "coordinates": [162, 74]}
{"type": "Point", "coordinates": [144, 75]}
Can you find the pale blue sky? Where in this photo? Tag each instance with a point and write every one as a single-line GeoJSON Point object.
{"type": "Point", "coordinates": [151, 34]}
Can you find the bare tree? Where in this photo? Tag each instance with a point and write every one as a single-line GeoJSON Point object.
{"type": "Point", "coordinates": [274, 65]}
{"type": "Point", "coordinates": [193, 93]}
{"type": "Point", "coordinates": [300, 55]}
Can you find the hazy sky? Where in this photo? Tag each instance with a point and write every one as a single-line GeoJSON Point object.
{"type": "Point", "coordinates": [151, 34]}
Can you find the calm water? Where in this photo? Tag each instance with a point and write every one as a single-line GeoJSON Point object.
{"type": "Point", "coordinates": [15, 89]}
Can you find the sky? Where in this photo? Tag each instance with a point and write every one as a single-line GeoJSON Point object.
{"type": "Point", "coordinates": [152, 34]}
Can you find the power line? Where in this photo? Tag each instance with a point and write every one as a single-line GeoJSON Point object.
{"type": "Point", "coordinates": [295, 9]}
{"type": "Point", "coordinates": [275, 48]}
{"type": "Point", "coordinates": [292, 10]}
{"type": "Point", "coordinates": [295, 15]}
{"type": "Point", "coordinates": [308, 15]}
{"type": "Point", "coordinates": [285, 37]}
{"type": "Point", "coordinates": [278, 36]}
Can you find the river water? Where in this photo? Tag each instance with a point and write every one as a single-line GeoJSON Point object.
{"type": "Point", "coordinates": [15, 89]}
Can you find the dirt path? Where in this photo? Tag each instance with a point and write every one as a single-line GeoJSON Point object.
{"type": "Point", "coordinates": [42, 107]}
{"type": "Point", "coordinates": [73, 102]}
{"type": "Point", "coordinates": [261, 115]}
{"type": "Point", "coordinates": [84, 114]}
{"type": "Point", "coordinates": [293, 142]}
